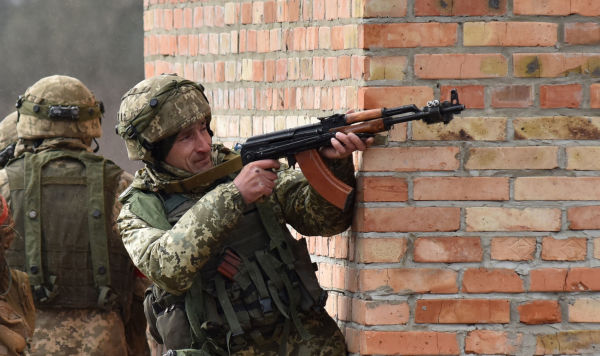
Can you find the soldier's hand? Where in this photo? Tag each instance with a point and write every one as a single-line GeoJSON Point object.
{"type": "Point", "coordinates": [343, 145]}
{"type": "Point", "coordinates": [257, 179]}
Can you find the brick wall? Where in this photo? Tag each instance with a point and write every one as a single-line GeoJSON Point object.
{"type": "Point", "coordinates": [480, 237]}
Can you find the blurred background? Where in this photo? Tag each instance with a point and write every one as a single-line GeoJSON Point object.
{"type": "Point", "coordinates": [98, 42]}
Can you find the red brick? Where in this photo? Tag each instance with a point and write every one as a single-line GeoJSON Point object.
{"type": "Point", "coordinates": [561, 96]}
{"type": "Point", "coordinates": [413, 219]}
{"type": "Point", "coordinates": [382, 189]}
{"type": "Point", "coordinates": [406, 159]}
{"type": "Point", "coordinates": [246, 13]}
{"type": "Point", "coordinates": [459, 8]}
{"type": "Point", "coordinates": [583, 280]}
{"type": "Point", "coordinates": [557, 188]}
{"type": "Point", "coordinates": [582, 33]}
{"type": "Point", "coordinates": [403, 35]}
{"type": "Point", "coordinates": [492, 342]}
{"type": "Point", "coordinates": [460, 66]}
{"type": "Point", "coordinates": [448, 249]}
{"type": "Point", "coordinates": [198, 17]}
{"type": "Point", "coordinates": [370, 250]}
{"type": "Point", "coordinates": [377, 97]}
{"type": "Point", "coordinates": [464, 311]}
{"type": "Point", "coordinates": [472, 96]}
{"type": "Point", "coordinates": [482, 280]}
{"type": "Point", "coordinates": [512, 96]}
{"type": "Point", "coordinates": [405, 343]}
{"type": "Point", "coordinates": [460, 188]}
{"type": "Point", "coordinates": [547, 280]}
{"type": "Point", "coordinates": [380, 312]}
{"type": "Point", "coordinates": [408, 280]}
{"type": "Point", "coordinates": [584, 217]}
{"type": "Point", "coordinates": [513, 248]}
{"type": "Point", "coordinates": [571, 249]}
{"type": "Point", "coordinates": [540, 312]}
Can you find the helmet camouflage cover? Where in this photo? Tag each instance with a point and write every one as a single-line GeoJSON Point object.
{"type": "Point", "coordinates": [59, 106]}
{"type": "Point", "coordinates": [8, 130]}
{"type": "Point", "coordinates": [157, 108]}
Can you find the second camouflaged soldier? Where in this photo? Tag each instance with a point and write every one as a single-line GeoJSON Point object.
{"type": "Point", "coordinates": [211, 234]}
{"type": "Point", "coordinates": [64, 202]}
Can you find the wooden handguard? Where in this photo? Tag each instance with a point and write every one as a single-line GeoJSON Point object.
{"type": "Point", "coordinates": [363, 115]}
{"type": "Point", "coordinates": [323, 181]}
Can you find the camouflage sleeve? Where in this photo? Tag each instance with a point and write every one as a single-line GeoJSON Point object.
{"type": "Point", "coordinates": [171, 258]}
{"type": "Point", "coordinates": [4, 188]}
{"type": "Point", "coordinates": [307, 211]}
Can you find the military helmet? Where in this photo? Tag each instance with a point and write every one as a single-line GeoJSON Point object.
{"type": "Point", "coordinates": [158, 108]}
{"type": "Point", "coordinates": [8, 130]}
{"type": "Point", "coordinates": [59, 106]}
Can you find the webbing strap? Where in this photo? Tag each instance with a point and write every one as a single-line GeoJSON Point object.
{"type": "Point", "coordinates": [271, 268]}
{"type": "Point", "coordinates": [234, 325]}
{"type": "Point", "coordinates": [276, 233]}
{"type": "Point", "coordinates": [94, 168]}
{"type": "Point", "coordinates": [194, 302]}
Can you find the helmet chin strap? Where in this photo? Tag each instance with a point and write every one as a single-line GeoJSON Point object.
{"type": "Point", "coordinates": [97, 145]}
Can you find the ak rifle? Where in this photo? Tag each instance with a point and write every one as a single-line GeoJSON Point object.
{"type": "Point", "coordinates": [300, 144]}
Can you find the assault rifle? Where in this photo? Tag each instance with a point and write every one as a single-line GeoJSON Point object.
{"type": "Point", "coordinates": [300, 144]}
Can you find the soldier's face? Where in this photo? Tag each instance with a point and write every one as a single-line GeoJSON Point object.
{"type": "Point", "coordinates": [191, 150]}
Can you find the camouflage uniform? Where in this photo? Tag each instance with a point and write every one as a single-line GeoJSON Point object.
{"type": "Point", "coordinates": [174, 246]}
{"type": "Point", "coordinates": [65, 325]}
{"type": "Point", "coordinates": [8, 137]}
{"type": "Point", "coordinates": [17, 313]}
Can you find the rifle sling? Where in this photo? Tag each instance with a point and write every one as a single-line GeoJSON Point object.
{"type": "Point", "coordinates": [185, 185]}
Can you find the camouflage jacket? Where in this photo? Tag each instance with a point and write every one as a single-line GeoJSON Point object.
{"type": "Point", "coordinates": [171, 255]}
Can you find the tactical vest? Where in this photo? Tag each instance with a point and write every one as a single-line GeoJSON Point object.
{"type": "Point", "coordinates": [254, 289]}
{"type": "Point", "coordinates": [62, 204]}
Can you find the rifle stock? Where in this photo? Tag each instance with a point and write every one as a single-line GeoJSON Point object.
{"type": "Point", "coordinates": [300, 144]}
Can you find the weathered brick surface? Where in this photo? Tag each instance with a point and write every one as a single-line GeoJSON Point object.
{"type": "Point", "coordinates": [448, 249]}
{"type": "Point", "coordinates": [584, 310]}
{"type": "Point", "coordinates": [492, 342]}
{"type": "Point", "coordinates": [510, 34]}
{"type": "Point", "coordinates": [371, 250]}
{"type": "Point", "coordinates": [379, 313]}
{"type": "Point", "coordinates": [408, 280]}
{"type": "Point", "coordinates": [510, 219]}
{"type": "Point", "coordinates": [569, 342]}
{"type": "Point", "coordinates": [543, 157]}
{"type": "Point", "coordinates": [557, 128]}
{"type": "Point", "coordinates": [571, 249]}
{"type": "Point", "coordinates": [463, 128]}
{"type": "Point", "coordinates": [501, 202]}
{"type": "Point", "coordinates": [404, 342]}
{"type": "Point", "coordinates": [513, 248]}
{"type": "Point", "coordinates": [465, 311]}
